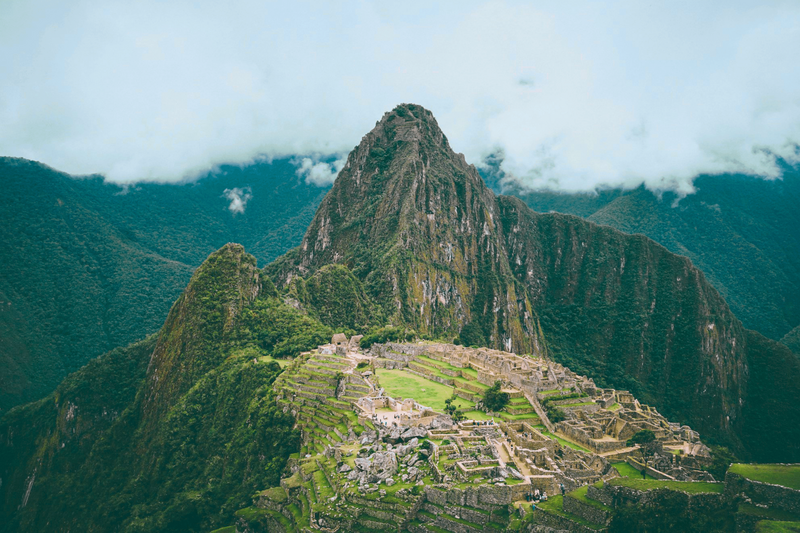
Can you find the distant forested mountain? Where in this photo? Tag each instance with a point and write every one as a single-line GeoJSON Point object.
{"type": "Point", "coordinates": [742, 232]}
{"type": "Point", "coordinates": [86, 266]}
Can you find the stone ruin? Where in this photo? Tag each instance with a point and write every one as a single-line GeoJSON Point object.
{"type": "Point", "coordinates": [511, 458]}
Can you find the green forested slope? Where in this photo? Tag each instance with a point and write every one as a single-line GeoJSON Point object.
{"type": "Point", "coordinates": [87, 266]}
{"type": "Point", "coordinates": [173, 433]}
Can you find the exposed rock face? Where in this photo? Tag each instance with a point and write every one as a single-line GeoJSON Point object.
{"type": "Point", "coordinates": [440, 253]}
{"type": "Point", "coordinates": [418, 226]}
{"type": "Point", "coordinates": [622, 300]}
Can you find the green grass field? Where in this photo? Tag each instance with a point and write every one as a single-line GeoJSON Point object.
{"type": "Point", "coordinates": [768, 526]}
{"type": "Point", "coordinates": [562, 441]}
{"type": "Point", "coordinates": [771, 513]}
{"type": "Point", "coordinates": [580, 495]}
{"type": "Point", "coordinates": [283, 363]}
{"type": "Point", "coordinates": [476, 415]}
{"type": "Point", "coordinates": [785, 475]}
{"type": "Point", "coordinates": [625, 469]}
{"type": "Point", "coordinates": [399, 383]}
{"type": "Point", "coordinates": [554, 504]}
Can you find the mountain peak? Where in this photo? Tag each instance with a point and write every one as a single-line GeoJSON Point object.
{"type": "Point", "coordinates": [416, 224]}
{"type": "Point", "coordinates": [409, 122]}
{"type": "Point", "coordinates": [199, 323]}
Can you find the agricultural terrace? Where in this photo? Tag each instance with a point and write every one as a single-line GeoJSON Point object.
{"type": "Point", "coordinates": [776, 474]}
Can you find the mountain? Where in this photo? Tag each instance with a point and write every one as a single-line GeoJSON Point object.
{"type": "Point", "coordinates": [419, 228]}
{"type": "Point", "coordinates": [742, 232]}
{"type": "Point", "coordinates": [440, 253]}
{"type": "Point", "coordinates": [177, 432]}
{"type": "Point", "coordinates": [87, 266]}
{"type": "Point", "coordinates": [75, 251]}
{"type": "Point", "coordinates": [172, 433]}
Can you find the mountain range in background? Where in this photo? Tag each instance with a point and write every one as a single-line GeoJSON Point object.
{"type": "Point", "coordinates": [180, 429]}
{"type": "Point", "coordinates": [88, 266]}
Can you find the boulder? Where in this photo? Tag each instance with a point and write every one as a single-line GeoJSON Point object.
{"type": "Point", "coordinates": [394, 435]}
{"type": "Point", "coordinates": [384, 464]}
{"type": "Point", "coordinates": [414, 432]}
{"type": "Point", "coordinates": [362, 463]}
{"type": "Point", "coordinates": [344, 468]}
{"type": "Point", "coordinates": [516, 473]}
{"type": "Point", "coordinates": [442, 422]}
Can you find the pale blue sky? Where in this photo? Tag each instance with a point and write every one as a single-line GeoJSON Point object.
{"type": "Point", "coordinates": [576, 94]}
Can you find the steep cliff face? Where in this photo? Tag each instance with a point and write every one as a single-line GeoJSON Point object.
{"type": "Point", "coordinates": [416, 224]}
{"type": "Point", "coordinates": [627, 311]}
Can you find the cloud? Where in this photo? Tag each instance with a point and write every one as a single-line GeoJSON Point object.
{"type": "Point", "coordinates": [239, 198]}
{"type": "Point", "coordinates": [575, 95]}
{"type": "Point", "coordinates": [319, 173]}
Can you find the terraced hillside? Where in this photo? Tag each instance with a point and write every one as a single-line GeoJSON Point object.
{"type": "Point", "coordinates": [399, 438]}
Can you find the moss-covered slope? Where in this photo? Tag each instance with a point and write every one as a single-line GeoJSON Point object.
{"type": "Point", "coordinates": [171, 434]}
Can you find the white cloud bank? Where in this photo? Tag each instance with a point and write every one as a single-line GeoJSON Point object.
{"type": "Point", "coordinates": [319, 173]}
{"type": "Point", "coordinates": [575, 94]}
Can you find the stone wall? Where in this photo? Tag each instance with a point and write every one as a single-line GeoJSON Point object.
{"type": "Point", "coordinates": [652, 472]}
{"type": "Point", "coordinates": [586, 511]}
{"type": "Point", "coordinates": [486, 497]}
{"type": "Point", "coordinates": [556, 522]}
{"type": "Point", "coordinates": [603, 496]}
{"type": "Point", "coordinates": [776, 496]}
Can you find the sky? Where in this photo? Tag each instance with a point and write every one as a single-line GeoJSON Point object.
{"type": "Point", "coordinates": [572, 95]}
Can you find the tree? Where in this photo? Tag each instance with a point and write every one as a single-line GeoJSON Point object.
{"type": "Point", "coordinates": [452, 409]}
{"type": "Point", "coordinates": [646, 440]}
{"type": "Point", "coordinates": [494, 399]}
{"type": "Point", "coordinates": [471, 335]}
{"type": "Point", "coordinates": [721, 459]}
